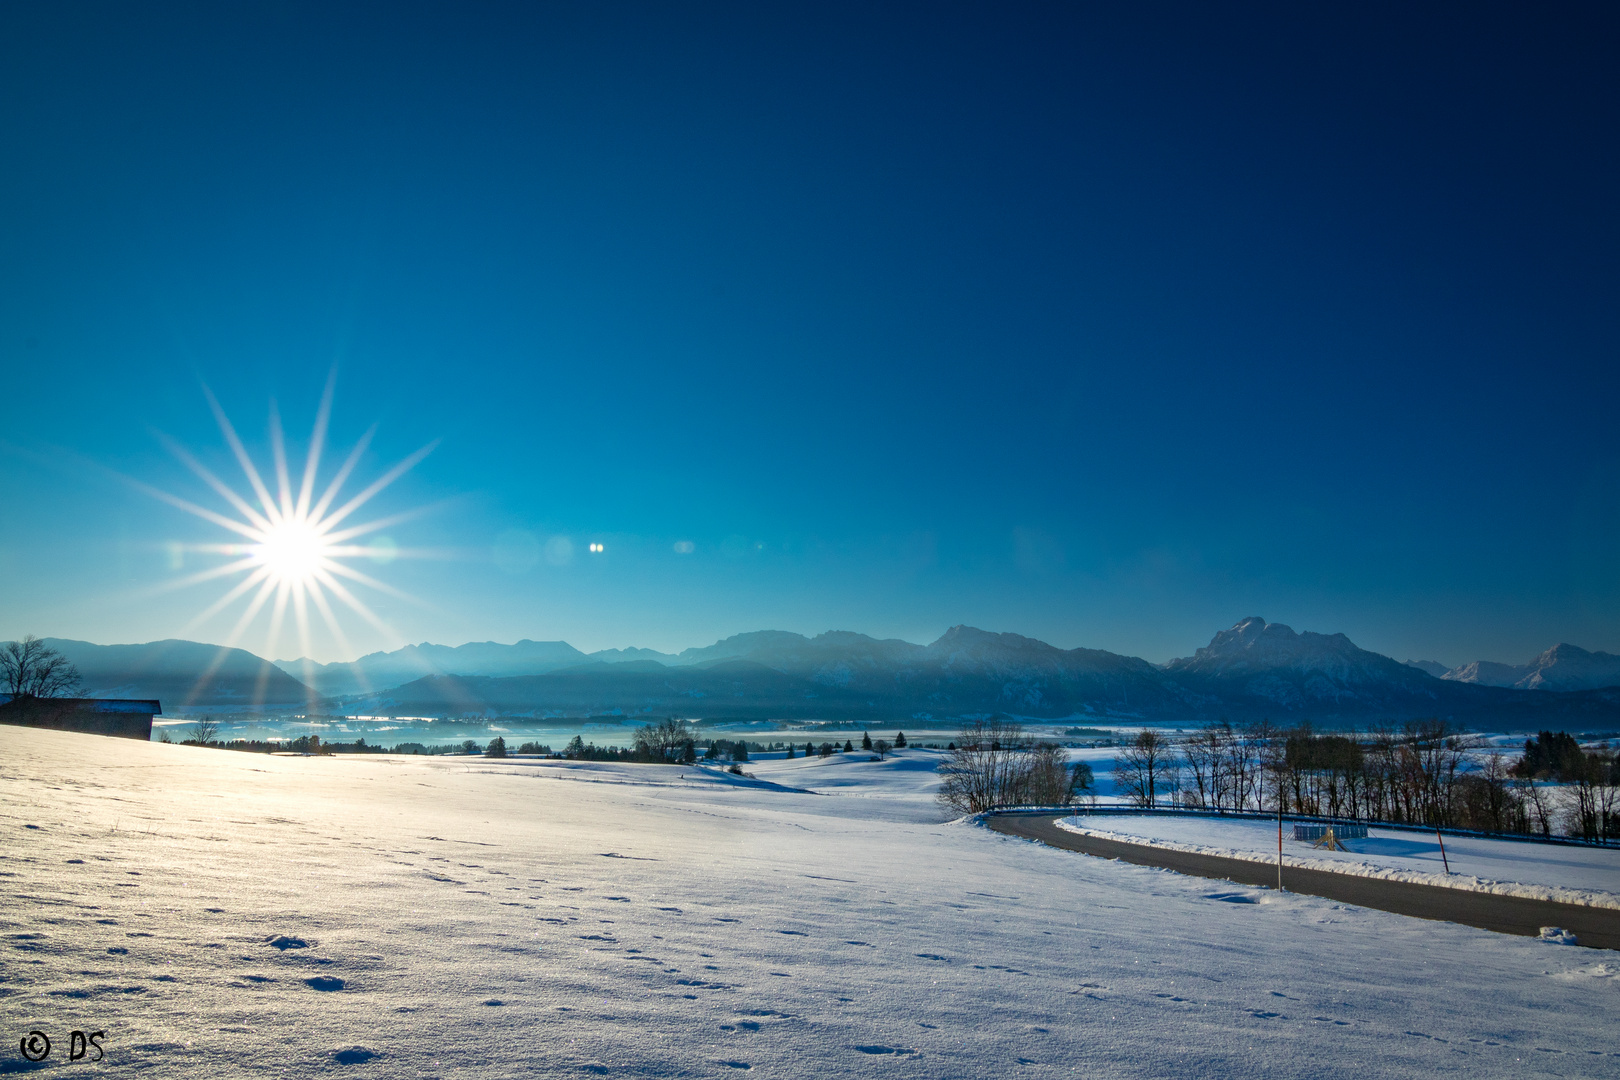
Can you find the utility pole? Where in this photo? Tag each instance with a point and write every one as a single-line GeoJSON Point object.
{"type": "Point", "coordinates": [1279, 840]}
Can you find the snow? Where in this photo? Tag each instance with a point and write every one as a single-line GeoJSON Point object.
{"type": "Point", "coordinates": [221, 913]}
{"type": "Point", "coordinates": [1568, 873]}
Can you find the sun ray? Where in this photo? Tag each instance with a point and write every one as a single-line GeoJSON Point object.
{"type": "Point", "coordinates": [213, 481]}
{"type": "Point", "coordinates": [366, 579]}
{"type": "Point", "coordinates": [278, 455]}
{"type": "Point", "coordinates": [385, 523]}
{"type": "Point", "coordinates": [231, 640]}
{"type": "Point", "coordinates": [331, 621]}
{"type": "Point", "coordinates": [242, 458]}
{"type": "Point", "coordinates": [225, 601]}
{"type": "Point", "coordinates": [317, 443]}
{"type": "Point", "coordinates": [342, 474]}
{"type": "Point", "coordinates": [199, 577]}
{"type": "Point", "coordinates": [377, 485]}
{"type": "Point", "coordinates": [290, 553]}
{"type": "Point", "coordinates": [354, 603]}
{"type": "Point", "coordinates": [192, 508]}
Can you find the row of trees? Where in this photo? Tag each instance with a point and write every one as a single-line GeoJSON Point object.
{"type": "Point", "coordinates": [994, 763]}
{"type": "Point", "coordinates": [1423, 773]}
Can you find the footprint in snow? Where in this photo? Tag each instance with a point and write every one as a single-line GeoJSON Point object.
{"type": "Point", "coordinates": [354, 1055]}
{"type": "Point", "coordinates": [283, 942]}
{"type": "Point", "coordinates": [884, 1050]}
{"type": "Point", "coordinates": [325, 983]}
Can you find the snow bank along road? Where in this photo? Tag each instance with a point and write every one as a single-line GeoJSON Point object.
{"type": "Point", "coordinates": [1565, 873]}
{"type": "Point", "coordinates": [1593, 926]}
{"type": "Point", "coordinates": [227, 914]}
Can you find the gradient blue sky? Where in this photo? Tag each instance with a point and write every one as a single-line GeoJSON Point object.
{"type": "Point", "coordinates": [1106, 324]}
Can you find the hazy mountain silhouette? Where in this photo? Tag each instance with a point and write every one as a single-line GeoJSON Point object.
{"type": "Point", "coordinates": [381, 670]}
{"type": "Point", "coordinates": [1253, 670]}
{"type": "Point", "coordinates": [180, 673]}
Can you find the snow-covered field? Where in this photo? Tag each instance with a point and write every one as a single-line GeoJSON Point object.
{"type": "Point", "coordinates": [222, 914]}
{"type": "Point", "coordinates": [1576, 875]}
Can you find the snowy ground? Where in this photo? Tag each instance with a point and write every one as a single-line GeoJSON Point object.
{"type": "Point", "coordinates": [485, 919]}
{"type": "Point", "coordinates": [1576, 875]}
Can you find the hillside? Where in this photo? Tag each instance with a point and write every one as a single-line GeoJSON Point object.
{"type": "Point", "coordinates": [180, 673]}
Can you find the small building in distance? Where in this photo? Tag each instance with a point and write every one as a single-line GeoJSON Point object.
{"type": "Point", "coordinates": [124, 718]}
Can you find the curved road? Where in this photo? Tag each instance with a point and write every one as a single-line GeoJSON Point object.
{"type": "Point", "coordinates": [1593, 926]}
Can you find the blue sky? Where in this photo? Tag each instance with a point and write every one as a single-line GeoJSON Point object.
{"type": "Point", "coordinates": [1109, 327]}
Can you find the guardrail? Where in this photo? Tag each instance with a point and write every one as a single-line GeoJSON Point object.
{"type": "Point", "coordinates": [1251, 815]}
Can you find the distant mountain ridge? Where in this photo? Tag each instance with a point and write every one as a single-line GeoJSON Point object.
{"type": "Point", "coordinates": [381, 670]}
{"type": "Point", "coordinates": [1563, 667]}
{"type": "Point", "coordinates": [1253, 670]}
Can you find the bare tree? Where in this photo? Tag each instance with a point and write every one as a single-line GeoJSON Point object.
{"type": "Point", "coordinates": [987, 768]}
{"type": "Point", "coordinates": [1202, 754]}
{"type": "Point", "coordinates": [1047, 780]}
{"type": "Point", "coordinates": [204, 730]}
{"type": "Point", "coordinates": [1144, 767]}
{"type": "Point", "coordinates": [31, 668]}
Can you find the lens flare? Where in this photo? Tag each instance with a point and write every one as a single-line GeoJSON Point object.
{"type": "Point", "coordinates": [290, 547]}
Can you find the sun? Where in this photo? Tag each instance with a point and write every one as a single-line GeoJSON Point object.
{"type": "Point", "coordinates": [294, 552]}
{"type": "Point", "coordinates": [290, 548]}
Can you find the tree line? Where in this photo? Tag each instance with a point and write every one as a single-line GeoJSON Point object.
{"type": "Point", "coordinates": [1425, 772]}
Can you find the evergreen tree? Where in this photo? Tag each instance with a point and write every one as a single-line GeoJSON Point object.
{"type": "Point", "coordinates": [849, 747]}
{"type": "Point", "coordinates": [496, 747]}
{"type": "Point", "coordinates": [900, 740]}
{"type": "Point", "coordinates": [809, 748]}
{"type": "Point", "coordinates": [790, 752]}
{"type": "Point", "coordinates": [739, 752]}
{"type": "Point", "coordinates": [866, 741]}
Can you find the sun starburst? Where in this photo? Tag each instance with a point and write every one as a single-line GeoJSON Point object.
{"type": "Point", "coordinates": [291, 549]}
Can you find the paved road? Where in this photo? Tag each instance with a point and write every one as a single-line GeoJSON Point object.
{"type": "Point", "coordinates": [1595, 927]}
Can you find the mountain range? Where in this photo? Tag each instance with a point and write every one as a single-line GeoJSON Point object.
{"type": "Point", "coordinates": [1562, 667]}
{"type": "Point", "coordinates": [1251, 671]}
